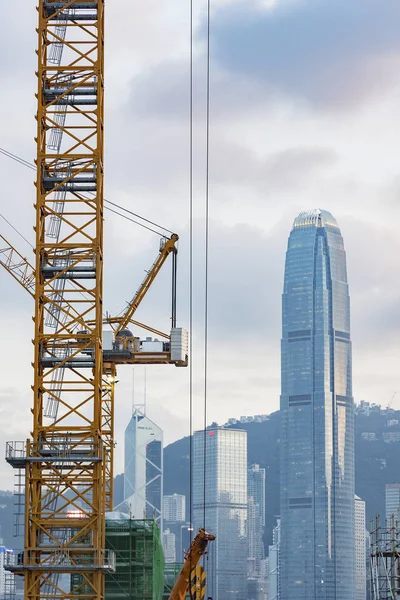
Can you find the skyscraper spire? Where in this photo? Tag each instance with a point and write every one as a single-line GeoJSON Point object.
{"type": "Point", "coordinates": [317, 416]}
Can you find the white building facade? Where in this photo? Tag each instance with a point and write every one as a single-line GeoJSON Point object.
{"type": "Point", "coordinates": [169, 546]}
{"type": "Point", "coordinates": [143, 475]}
{"type": "Point", "coordinates": [392, 501]}
{"type": "Point", "coordinates": [174, 508]}
{"type": "Point", "coordinates": [360, 558]}
{"type": "Point", "coordinates": [7, 581]}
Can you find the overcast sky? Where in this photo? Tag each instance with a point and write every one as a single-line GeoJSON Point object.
{"type": "Point", "coordinates": [305, 98]}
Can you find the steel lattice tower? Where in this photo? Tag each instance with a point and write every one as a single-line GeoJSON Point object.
{"type": "Point", "coordinates": [64, 460]}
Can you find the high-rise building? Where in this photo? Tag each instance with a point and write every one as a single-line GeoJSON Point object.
{"type": "Point", "coordinates": [143, 475]}
{"type": "Point", "coordinates": [360, 558]}
{"type": "Point", "coordinates": [221, 455]}
{"type": "Point", "coordinates": [317, 416]}
{"type": "Point", "coordinates": [256, 488]}
{"type": "Point", "coordinates": [174, 508]}
{"type": "Point", "coordinates": [255, 519]}
{"type": "Point", "coordinates": [7, 581]}
{"type": "Point", "coordinates": [274, 587]}
{"type": "Point", "coordinates": [392, 501]}
{"type": "Point", "coordinates": [169, 546]}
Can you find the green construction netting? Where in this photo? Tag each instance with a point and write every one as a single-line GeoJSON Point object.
{"type": "Point", "coordinates": [139, 573]}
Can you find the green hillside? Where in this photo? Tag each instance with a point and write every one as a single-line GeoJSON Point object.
{"type": "Point", "coordinates": [377, 462]}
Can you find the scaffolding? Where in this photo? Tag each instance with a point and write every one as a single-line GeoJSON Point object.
{"type": "Point", "coordinates": [139, 566]}
{"type": "Point", "coordinates": [385, 559]}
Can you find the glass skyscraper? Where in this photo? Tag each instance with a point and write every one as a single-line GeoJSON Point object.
{"type": "Point", "coordinates": [143, 473]}
{"type": "Point", "coordinates": [317, 416]}
{"type": "Point", "coordinates": [255, 519]}
{"type": "Point", "coordinates": [223, 508]}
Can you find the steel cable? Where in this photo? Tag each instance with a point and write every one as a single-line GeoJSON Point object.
{"type": "Point", "coordinates": [31, 166]}
{"type": "Point", "coordinates": [207, 238]}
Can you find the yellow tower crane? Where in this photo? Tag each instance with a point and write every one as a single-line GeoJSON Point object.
{"type": "Point", "coordinates": [124, 348]}
{"type": "Point", "coordinates": [68, 458]}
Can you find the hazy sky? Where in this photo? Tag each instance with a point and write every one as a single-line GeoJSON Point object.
{"type": "Point", "coordinates": [305, 98]}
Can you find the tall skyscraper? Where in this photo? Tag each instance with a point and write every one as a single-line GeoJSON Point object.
{"type": "Point", "coordinates": [392, 501]}
{"type": "Point", "coordinates": [274, 579]}
{"type": "Point", "coordinates": [222, 455]}
{"type": "Point", "coordinates": [255, 519]}
{"type": "Point", "coordinates": [143, 475]}
{"type": "Point", "coordinates": [317, 416]}
{"type": "Point", "coordinates": [360, 562]}
{"type": "Point", "coordinates": [174, 508]}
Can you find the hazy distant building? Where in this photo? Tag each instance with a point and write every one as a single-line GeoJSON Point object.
{"type": "Point", "coordinates": [224, 512]}
{"type": "Point", "coordinates": [392, 501]}
{"type": "Point", "coordinates": [7, 580]}
{"type": "Point", "coordinates": [255, 519]}
{"type": "Point", "coordinates": [367, 565]}
{"type": "Point", "coordinates": [317, 416]}
{"type": "Point", "coordinates": [174, 508]}
{"type": "Point", "coordinates": [274, 587]}
{"type": "Point", "coordinates": [143, 476]}
{"type": "Point", "coordinates": [169, 546]}
{"type": "Point", "coordinates": [360, 558]}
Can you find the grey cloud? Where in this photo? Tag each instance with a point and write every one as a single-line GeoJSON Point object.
{"type": "Point", "coordinates": [156, 156]}
{"type": "Point", "coordinates": [162, 91]}
{"type": "Point", "coordinates": [286, 170]}
{"type": "Point", "coordinates": [330, 53]}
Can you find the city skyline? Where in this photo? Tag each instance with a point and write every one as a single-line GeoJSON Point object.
{"type": "Point", "coordinates": [317, 416]}
{"type": "Point", "coordinates": [327, 142]}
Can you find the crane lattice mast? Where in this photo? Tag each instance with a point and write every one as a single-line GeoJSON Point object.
{"type": "Point", "coordinates": [64, 459]}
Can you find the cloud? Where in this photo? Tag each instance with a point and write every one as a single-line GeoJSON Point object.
{"type": "Point", "coordinates": [332, 54]}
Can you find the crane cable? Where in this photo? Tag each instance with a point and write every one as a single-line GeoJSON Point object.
{"type": "Point", "coordinates": [29, 165]}
{"type": "Point", "coordinates": [191, 272]}
{"type": "Point", "coordinates": [207, 239]}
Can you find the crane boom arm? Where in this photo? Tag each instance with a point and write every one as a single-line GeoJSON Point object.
{"type": "Point", "coordinates": [17, 265]}
{"type": "Point", "coordinates": [196, 550]}
{"type": "Point", "coordinates": [20, 268]}
{"type": "Point", "coordinates": [123, 321]}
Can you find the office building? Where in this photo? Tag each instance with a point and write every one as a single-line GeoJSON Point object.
{"type": "Point", "coordinates": [317, 416]}
{"type": "Point", "coordinates": [360, 558]}
{"type": "Point", "coordinates": [169, 546]}
{"type": "Point", "coordinates": [174, 510]}
{"type": "Point", "coordinates": [255, 519]}
{"type": "Point", "coordinates": [221, 454]}
{"type": "Point", "coordinates": [143, 476]}
{"type": "Point", "coordinates": [274, 587]}
{"type": "Point", "coordinates": [392, 501]}
{"type": "Point", "coordinates": [7, 580]}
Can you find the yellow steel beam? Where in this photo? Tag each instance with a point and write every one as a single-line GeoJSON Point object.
{"type": "Point", "coordinates": [165, 250]}
{"type": "Point", "coordinates": [65, 462]}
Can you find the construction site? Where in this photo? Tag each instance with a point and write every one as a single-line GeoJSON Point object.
{"type": "Point", "coordinates": [385, 559]}
{"type": "Point", "coordinates": [75, 546]}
